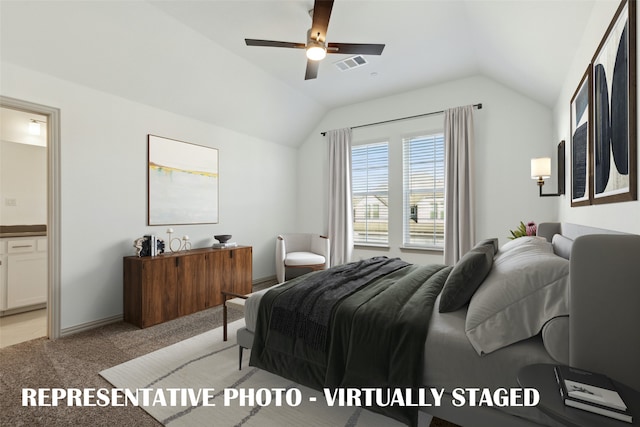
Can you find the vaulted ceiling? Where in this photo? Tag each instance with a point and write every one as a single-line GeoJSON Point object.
{"type": "Point", "coordinates": [189, 57]}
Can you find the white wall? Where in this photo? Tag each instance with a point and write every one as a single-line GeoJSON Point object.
{"type": "Point", "coordinates": [23, 184]}
{"type": "Point", "coordinates": [510, 130]}
{"type": "Point", "coordinates": [623, 216]}
{"type": "Point", "coordinates": [104, 192]}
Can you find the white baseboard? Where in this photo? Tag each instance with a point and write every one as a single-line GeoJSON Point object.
{"type": "Point", "coordinates": [23, 309]}
{"type": "Point", "coordinates": [263, 283]}
{"type": "Point", "coordinates": [263, 280]}
{"type": "Point", "coordinates": [120, 317]}
{"type": "Point", "coordinates": [91, 325]}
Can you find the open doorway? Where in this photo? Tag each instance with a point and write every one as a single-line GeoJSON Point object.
{"type": "Point", "coordinates": [29, 189]}
{"type": "Point", "coordinates": [23, 226]}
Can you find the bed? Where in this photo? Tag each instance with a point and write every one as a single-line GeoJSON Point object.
{"type": "Point", "coordinates": [575, 302]}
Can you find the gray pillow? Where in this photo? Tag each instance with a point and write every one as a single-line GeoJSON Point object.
{"type": "Point", "coordinates": [467, 275]}
{"type": "Point", "coordinates": [492, 242]}
{"type": "Point", "coordinates": [562, 246]}
{"type": "Point", "coordinates": [555, 337]}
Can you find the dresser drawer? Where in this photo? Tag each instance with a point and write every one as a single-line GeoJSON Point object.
{"type": "Point", "coordinates": [21, 246]}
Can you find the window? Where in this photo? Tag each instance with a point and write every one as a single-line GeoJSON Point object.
{"type": "Point", "coordinates": [423, 173]}
{"type": "Point", "coordinates": [370, 193]}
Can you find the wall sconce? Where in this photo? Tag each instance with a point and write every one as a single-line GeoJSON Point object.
{"type": "Point", "coordinates": [34, 128]}
{"type": "Point", "coordinates": [541, 170]}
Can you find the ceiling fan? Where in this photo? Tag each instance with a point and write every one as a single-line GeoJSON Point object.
{"type": "Point", "coordinates": [316, 45]}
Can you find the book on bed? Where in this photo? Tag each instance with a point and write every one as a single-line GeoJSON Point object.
{"type": "Point", "coordinates": [591, 392]}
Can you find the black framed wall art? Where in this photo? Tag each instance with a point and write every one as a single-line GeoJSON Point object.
{"type": "Point", "coordinates": [581, 193]}
{"type": "Point", "coordinates": [614, 155]}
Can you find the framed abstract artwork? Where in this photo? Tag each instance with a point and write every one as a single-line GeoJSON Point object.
{"type": "Point", "coordinates": [182, 181]}
{"type": "Point", "coordinates": [581, 142]}
{"type": "Point", "coordinates": [614, 110]}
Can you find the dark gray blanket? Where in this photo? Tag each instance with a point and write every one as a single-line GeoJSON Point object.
{"type": "Point", "coordinates": [375, 336]}
{"type": "Point", "coordinates": [305, 313]}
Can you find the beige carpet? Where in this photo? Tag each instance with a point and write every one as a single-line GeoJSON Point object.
{"type": "Point", "coordinates": [205, 361]}
{"type": "Point", "coordinates": [76, 360]}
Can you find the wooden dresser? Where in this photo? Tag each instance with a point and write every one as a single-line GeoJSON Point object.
{"type": "Point", "coordinates": [164, 287]}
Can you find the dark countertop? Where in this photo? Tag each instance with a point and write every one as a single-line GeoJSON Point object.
{"type": "Point", "coordinates": [23, 230]}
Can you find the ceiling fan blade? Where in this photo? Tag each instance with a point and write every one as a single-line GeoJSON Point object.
{"type": "Point", "coordinates": [272, 43]}
{"type": "Point", "coordinates": [321, 15]}
{"type": "Point", "coordinates": [355, 48]}
{"type": "Point", "coordinates": [312, 69]}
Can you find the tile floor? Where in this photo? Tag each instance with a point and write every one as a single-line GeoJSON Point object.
{"type": "Point", "coordinates": [23, 327]}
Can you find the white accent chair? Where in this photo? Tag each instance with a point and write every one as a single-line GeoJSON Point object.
{"type": "Point", "coordinates": [301, 250]}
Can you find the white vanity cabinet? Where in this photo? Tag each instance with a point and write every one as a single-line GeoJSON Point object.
{"type": "Point", "coordinates": [3, 274]}
{"type": "Point", "coordinates": [23, 279]}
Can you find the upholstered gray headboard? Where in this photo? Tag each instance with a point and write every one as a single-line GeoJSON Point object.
{"type": "Point", "coordinates": [605, 300]}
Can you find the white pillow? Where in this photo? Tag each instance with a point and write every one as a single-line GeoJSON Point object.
{"type": "Point", "coordinates": [527, 286]}
{"type": "Point", "coordinates": [524, 243]}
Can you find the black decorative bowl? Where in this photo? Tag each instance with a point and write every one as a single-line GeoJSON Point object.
{"type": "Point", "coordinates": [222, 238]}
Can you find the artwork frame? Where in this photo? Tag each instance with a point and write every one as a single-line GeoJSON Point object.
{"type": "Point", "coordinates": [614, 116]}
{"type": "Point", "coordinates": [581, 142]}
{"type": "Point", "coordinates": [182, 182]}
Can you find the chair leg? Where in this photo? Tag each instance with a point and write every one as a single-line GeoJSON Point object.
{"type": "Point", "coordinates": [240, 359]}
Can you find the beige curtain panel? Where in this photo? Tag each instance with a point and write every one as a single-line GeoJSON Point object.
{"type": "Point", "coordinates": [459, 229]}
{"type": "Point", "coordinates": [340, 212]}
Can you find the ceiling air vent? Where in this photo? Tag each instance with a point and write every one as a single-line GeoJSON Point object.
{"type": "Point", "coordinates": [351, 63]}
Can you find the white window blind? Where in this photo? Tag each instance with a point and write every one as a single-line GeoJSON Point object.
{"type": "Point", "coordinates": [423, 173]}
{"type": "Point", "coordinates": [370, 193]}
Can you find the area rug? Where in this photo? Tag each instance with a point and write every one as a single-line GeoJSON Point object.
{"type": "Point", "coordinates": [207, 362]}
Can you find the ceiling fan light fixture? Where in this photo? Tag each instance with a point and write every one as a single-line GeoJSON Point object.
{"type": "Point", "coordinates": [316, 52]}
{"type": "Point", "coordinates": [316, 49]}
{"type": "Point", "coordinates": [316, 45]}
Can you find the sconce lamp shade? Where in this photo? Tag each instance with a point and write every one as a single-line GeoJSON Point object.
{"type": "Point", "coordinates": [541, 168]}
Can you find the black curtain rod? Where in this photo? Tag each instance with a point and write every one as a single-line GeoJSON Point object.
{"type": "Point", "coordinates": [478, 106]}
